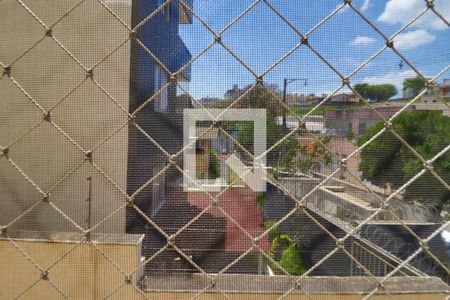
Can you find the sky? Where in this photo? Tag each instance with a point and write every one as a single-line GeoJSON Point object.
{"type": "Point", "coordinates": [261, 38]}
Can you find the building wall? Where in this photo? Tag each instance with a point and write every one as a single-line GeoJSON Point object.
{"type": "Point", "coordinates": [160, 37]}
{"type": "Point", "coordinates": [83, 274]}
{"type": "Point", "coordinates": [88, 116]}
{"type": "Point", "coordinates": [444, 88]}
{"type": "Point", "coordinates": [358, 120]}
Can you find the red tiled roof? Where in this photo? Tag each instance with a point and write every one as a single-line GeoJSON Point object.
{"type": "Point", "coordinates": [240, 204]}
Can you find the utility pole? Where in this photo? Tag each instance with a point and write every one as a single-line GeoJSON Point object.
{"type": "Point", "coordinates": [285, 84]}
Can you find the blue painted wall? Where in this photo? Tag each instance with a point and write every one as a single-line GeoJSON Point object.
{"type": "Point", "coordinates": [161, 37]}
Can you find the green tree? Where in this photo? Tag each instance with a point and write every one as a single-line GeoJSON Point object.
{"type": "Point", "coordinates": [291, 261]}
{"type": "Point", "coordinates": [350, 135]}
{"type": "Point", "coordinates": [416, 84]}
{"type": "Point", "coordinates": [387, 160]}
{"type": "Point", "coordinates": [291, 257]}
{"type": "Point", "coordinates": [288, 155]}
{"type": "Point", "coordinates": [379, 92]}
{"type": "Point", "coordinates": [214, 171]}
{"type": "Point", "coordinates": [305, 158]}
{"type": "Point", "coordinates": [363, 90]}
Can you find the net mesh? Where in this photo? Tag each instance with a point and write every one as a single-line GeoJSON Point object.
{"type": "Point", "coordinates": [94, 100]}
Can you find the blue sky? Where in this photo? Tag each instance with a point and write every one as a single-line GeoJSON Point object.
{"type": "Point", "coordinates": [260, 38]}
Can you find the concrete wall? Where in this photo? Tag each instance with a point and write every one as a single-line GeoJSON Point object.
{"type": "Point", "coordinates": [88, 116]}
{"type": "Point", "coordinates": [273, 287]}
{"type": "Point", "coordinates": [83, 273]}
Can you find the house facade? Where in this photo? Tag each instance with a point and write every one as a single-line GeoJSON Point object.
{"type": "Point", "coordinates": [161, 117]}
{"type": "Point", "coordinates": [343, 98]}
{"type": "Point", "coordinates": [131, 76]}
{"type": "Point", "coordinates": [357, 120]}
{"type": "Point", "coordinates": [442, 89]}
{"type": "Point", "coordinates": [211, 241]}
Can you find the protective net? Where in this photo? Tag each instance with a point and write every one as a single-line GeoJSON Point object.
{"type": "Point", "coordinates": [216, 149]}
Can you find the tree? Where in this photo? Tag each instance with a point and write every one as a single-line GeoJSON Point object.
{"type": "Point", "coordinates": [350, 135]}
{"type": "Point", "coordinates": [291, 257]}
{"type": "Point", "coordinates": [363, 90]}
{"type": "Point", "coordinates": [416, 85]}
{"type": "Point", "coordinates": [261, 97]}
{"type": "Point", "coordinates": [387, 160]}
{"type": "Point", "coordinates": [214, 169]}
{"type": "Point", "coordinates": [379, 92]}
{"type": "Point", "coordinates": [306, 158]}
{"type": "Point", "coordinates": [288, 155]}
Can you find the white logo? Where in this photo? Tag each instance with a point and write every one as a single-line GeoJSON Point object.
{"type": "Point", "coordinates": [252, 176]}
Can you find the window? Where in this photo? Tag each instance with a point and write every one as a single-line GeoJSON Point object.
{"type": "Point", "coordinates": [160, 81]}
{"type": "Point", "coordinates": [167, 10]}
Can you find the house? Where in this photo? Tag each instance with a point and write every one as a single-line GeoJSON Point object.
{"type": "Point", "coordinates": [444, 88]}
{"type": "Point", "coordinates": [209, 102]}
{"type": "Point", "coordinates": [358, 120]}
{"type": "Point", "coordinates": [164, 200]}
{"type": "Point", "coordinates": [343, 98]}
{"type": "Point", "coordinates": [314, 124]}
{"type": "Point", "coordinates": [234, 93]}
{"type": "Point", "coordinates": [87, 139]}
{"type": "Point", "coordinates": [430, 96]}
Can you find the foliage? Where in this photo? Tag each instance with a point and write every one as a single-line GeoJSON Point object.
{"type": "Point", "coordinates": [214, 171]}
{"type": "Point", "coordinates": [273, 233]}
{"type": "Point", "coordinates": [350, 135]}
{"type": "Point", "coordinates": [305, 158]}
{"type": "Point", "coordinates": [378, 92]}
{"type": "Point", "coordinates": [291, 258]}
{"type": "Point", "coordinates": [281, 241]}
{"type": "Point", "coordinates": [245, 133]}
{"type": "Point", "coordinates": [257, 97]}
{"type": "Point", "coordinates": [291, 261]}
{"type": "Point", "coordinates": [245, 130]}
{"type": "Point", "coordinates": [416, 84]}
{"type": "Point", "coordinates": [387, 160]}
{"type": "Point", "coordinates": [288, 155]}
{"type": "Point", "coordinates": [260, 199]}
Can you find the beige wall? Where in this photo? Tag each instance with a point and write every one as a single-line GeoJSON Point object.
{"type": "Point", "coordinates": [88, 116]}
{"type": "Point", "coordinates": [250, 287]}
{"type": "Point", "coordinates": [83, 273]}
{"type": "Point", "coordinates": [256, 296]}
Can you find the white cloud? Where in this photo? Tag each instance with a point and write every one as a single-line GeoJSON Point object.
{"type": "Point", "coordinates": [365, 6]}
{"type": "Point", "coordinates": [413, 39]}
{"type": "Point", "coordinates": [344, 9]}
{"type": "Point", "coordinates": [393, 78]}
{"type": "Point", "coordinates": [363, 40]}
{"type": "Point", "coordinates": [402, 11]}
